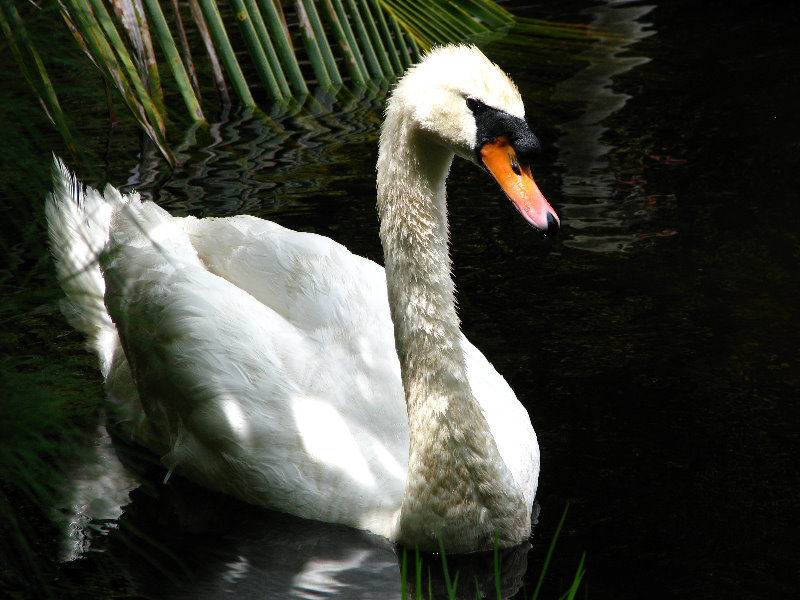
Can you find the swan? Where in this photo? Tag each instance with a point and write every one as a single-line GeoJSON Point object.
{"type": "Point", "coordinates": [277, 367]}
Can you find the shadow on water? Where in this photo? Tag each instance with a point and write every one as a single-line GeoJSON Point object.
{"type": "Point", "coordinates": [654, 343]}
{"type": "Point", "coordinates": [177, 540]}
{"type": "Point", "coordinates": [180, 541]}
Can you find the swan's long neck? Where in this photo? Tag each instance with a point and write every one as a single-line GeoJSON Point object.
{"type": "Point", "coordinates": [457, 485]}
{"type": "Point", "coordinates": [414, 233]}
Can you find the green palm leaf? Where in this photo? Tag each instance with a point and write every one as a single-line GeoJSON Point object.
{"type": "Point", "coordinates": [268, 49]}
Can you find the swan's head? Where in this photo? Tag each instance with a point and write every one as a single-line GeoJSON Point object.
{"type": "Point", "coordinates": [464, 102]}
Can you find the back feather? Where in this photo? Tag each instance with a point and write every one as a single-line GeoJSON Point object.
{"type": "Point", "coordinates": [78, 221]}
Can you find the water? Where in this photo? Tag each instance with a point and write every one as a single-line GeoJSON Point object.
{"type": "Point", "coordinates": [587, 182]}
{"type": "Point", "coordinates": [654, 341]}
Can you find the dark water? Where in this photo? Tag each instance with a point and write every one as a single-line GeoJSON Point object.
{"type": "Point", "coordinates": [654, 342]}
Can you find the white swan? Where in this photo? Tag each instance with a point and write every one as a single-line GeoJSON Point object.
{"type": "Point", "coordinates": [272, 364]}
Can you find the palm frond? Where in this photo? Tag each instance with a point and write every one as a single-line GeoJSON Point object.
{"type": "Point", "coordinates": [269, 52]}
{"type": "Point", "coordinates": [14, 29]}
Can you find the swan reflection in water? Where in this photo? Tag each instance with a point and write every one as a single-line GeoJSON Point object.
{"type": "Point", "coordinates": [178, 541]}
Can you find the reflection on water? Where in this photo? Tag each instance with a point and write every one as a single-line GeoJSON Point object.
{"type": "Point", "coordinates": [588, 185]}
{"type": "Point", "coordinates": [193, 544]}
{"type": "Point", "coordinates": [180, 541]}
{"type": "Point", "coordinates": [255, 164]}
{"type": "Point", "coordinates": [100, 488]}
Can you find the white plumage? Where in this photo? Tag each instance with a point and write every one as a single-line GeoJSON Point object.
{"type": "Point", "coordinates": [263, 362]}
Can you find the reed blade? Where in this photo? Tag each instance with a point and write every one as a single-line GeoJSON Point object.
{"type": "Point", "coordinates": [257, 54]}
{"type": "Point", "coordinates": [170, 50]}
{"type": "Point", "coordinates": [347, 44]}
{"type": "Point", "coordinates": [15, 31]}
{"type": "Point", "coordinates": [216, 30]}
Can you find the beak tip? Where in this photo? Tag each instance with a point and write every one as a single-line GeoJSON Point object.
{"type": "Point", "coordinates": [548, 224]}
{"type": "Point", "coordinates": [553, 225]}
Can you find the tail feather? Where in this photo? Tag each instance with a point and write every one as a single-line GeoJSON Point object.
{"type": "Point", "coordinates": [78, 220]}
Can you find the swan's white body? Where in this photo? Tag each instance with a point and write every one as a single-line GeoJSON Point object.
{"type": "Point", "coordinates": [263, 362]}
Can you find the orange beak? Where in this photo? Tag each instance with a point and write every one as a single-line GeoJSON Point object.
{"type": "Point", "coordinates": [518, 184]}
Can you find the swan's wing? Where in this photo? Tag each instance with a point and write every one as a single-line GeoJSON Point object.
{"type": "Point", "coordinates": [310, 280]}
{"type": "Point", "coordinates": [239, 396]}
{"type": "Point", "coordinates": [323, 283]}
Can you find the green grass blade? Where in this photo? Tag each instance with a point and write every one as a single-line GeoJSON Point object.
{"type": "Point", "coordinates": [89, 34]}
{"type": "Point", "coordinates": [283, 46]}
{"type": "Point", "coordinates": [257, 54]}
{"type": "Point", "coordinates": [490, 13]}
{"type": "Point", "coordinates": [416, 55]}
{"type": "Point", "coordinates": [416, 26]}
{"type": "Point", "coordinates": [269, 49]}
{"type": "Point", "coordinates": [186, 52]}
{"type": "Point", "coordinates": [208, 43]}
{"type": "Point", "coordinates": [386, 36]}
{"type": "Point", "coordinates": [358, 54]}
{"type": "Point", "coordinates": [441, 21]}
{"type": "Point", "coordinates": [471, 27]}
{"type": "Point", "coordinates": [109, 44]}
{"type": "Point", "coordinates": [44, 87]}
{"type": "Point", "coordinates": [216, 29]}
{"type": "Point", "coordinates": [371, 58]}
{"type": "Point", "coordinates": [549, 554]}
{"type": "Point", "coordinates": [312, 45]}
{"type": "Point", "coordinates": [457, 20]}
{"type": "Point", "coordinates": [132, 16]}
{"type": "Point", "coordinates": [432, 26]}
{"type": "Point", "coordinates": [576, 581]}
{"type": "Point", "coordinates": [344, 34]}
{"type": "Point", "coordinates": [322, 42]}
{"type": "Point", "coordinates": [400, 41]}
{"type": "Point", "coordinates": [450, 585]}
{"type": "Point", "coordinates": [403, 573]}
{"type": "Point", "coordinates": [173, 59]}
{"type": "Point", "coordinates": [418, 564]}
{"type": "Point", "coordinates": [372, 30]}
